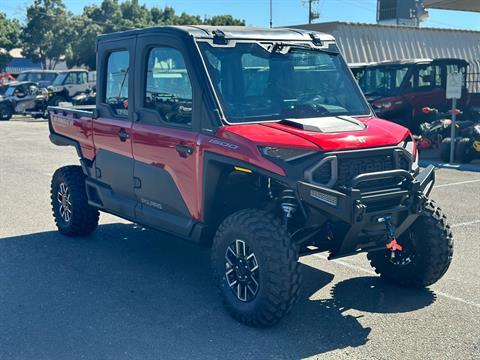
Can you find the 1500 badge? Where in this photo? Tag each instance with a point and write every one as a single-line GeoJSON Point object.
{"type": "Point", "coordinates": [223, 143]}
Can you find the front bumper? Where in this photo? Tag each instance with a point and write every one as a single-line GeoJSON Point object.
{"type": "Point", "coordinates": [359, 210]}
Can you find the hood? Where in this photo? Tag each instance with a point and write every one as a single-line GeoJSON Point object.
{"type": "Point", "coordinates": [360, 133]}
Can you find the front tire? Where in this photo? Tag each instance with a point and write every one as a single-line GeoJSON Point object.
{"type": "Point", "coordinates": [426, 255]}
{"type": "Point", "coordinates": [445, 149]}
{"type": "Point", "coordinates": [464, 151]}
{"type": "Point", "coordinates": [256, 268]}
{"type": "Point", "coordinates": [5, 112]}
{"type": "Point", "coordinates": [71, 211]}
{"type": "Point", "coordinates": [56, 100]}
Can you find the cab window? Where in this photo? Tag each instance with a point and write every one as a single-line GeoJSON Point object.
{"type": "Point", "coordinates": [82, 78]}
{"type": "Point", "coordinates": [168, 89]}
{"type": "Point", "coordinates": [116, 82]}
{"type": "Point", "coordinates": [429, 77]}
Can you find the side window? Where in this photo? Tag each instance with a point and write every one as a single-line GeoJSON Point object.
{"type": "Point", "coordinates": [116, 86]}
{"type": "Point", "coordinates": [82, 78]}
{"type": "Point", "coordinates": [438, 76]}
{"type": "Point", "coordinates": [168, 88]}
{"type": "Point", "coordinates": [70, 80]}
{"type": "Point", "coordinates": [426, 77]}
{"type": "Point", "coordinates": [456, 68]}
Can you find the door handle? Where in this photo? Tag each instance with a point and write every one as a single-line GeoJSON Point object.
{"type": "Point", "coordinates": [123, 135]}
{"type": "Point", "coordinates": [184, 150]}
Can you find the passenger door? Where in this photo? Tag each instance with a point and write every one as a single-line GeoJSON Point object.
{"type": "Point", "coordinates": [428, 89]}
{"type": "Point", "coordinates": [112, 128]}
{"type": "Point", "coordinates": [164, 138]}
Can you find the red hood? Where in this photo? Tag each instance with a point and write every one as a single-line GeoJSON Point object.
{"type": "Point", "coordinates": [377, 133]}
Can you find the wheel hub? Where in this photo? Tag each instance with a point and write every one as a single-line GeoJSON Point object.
{"type": "Point", "coordinates": [241, 271]}
{"type": "Point", "coordinates": [407, 255]}
{"type": "Point", "coordinates": [65, 206]}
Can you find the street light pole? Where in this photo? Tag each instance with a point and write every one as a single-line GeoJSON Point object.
{"type": "Point", "coordinates": [271, 12]}
{"type": "Point", "coordinates": [309, 11]}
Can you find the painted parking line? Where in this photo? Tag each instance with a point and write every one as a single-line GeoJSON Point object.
{"type": "Point", "coordinates": [457, 183]}
{"type": "Point", "coordinates": [468, 223]}
{"type": "Point", "coordinates": [460, 167]}
{"type": "Point", "coordinates": [371, 272]}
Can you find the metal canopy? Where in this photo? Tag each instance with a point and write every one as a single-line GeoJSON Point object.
{"type": "Point", "coordinates": [460, 5]}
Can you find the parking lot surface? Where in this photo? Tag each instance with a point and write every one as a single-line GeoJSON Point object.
{"type": "Point", "coordinates": [130, 293]}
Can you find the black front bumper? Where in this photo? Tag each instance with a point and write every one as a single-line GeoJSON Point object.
{"type": "Point", "coordinates": [359, 210]}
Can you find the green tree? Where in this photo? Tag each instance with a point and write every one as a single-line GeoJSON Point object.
{"type": "Point", "coordinates": [227, 20]}
{"type": "Point", "coordinates": [111, 16]}
{"type": "Point", "coordinates": [46, 34]}
{"type": "Point", "coordinates": [9, 39]}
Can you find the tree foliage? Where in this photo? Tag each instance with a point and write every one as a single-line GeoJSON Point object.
{"type": "Point", "coordinates": [9, 38]}
{"type": "Point", "coordinates": [51, 33]}
{"type": "Point", "coordinates": [47, 32]}
{"type": "Point", "coordinates": [111, 16]}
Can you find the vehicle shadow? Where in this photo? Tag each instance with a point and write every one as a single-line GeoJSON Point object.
{"type": "Point", "coordinates": [127, 292]}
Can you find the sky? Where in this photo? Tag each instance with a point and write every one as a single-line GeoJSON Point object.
{"type": "Point", "coordinates": [285, 12]}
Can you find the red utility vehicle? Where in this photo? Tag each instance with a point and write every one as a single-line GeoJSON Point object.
{"type": "Point", "coordinates": [399, 90]}
{"type": "Point", "coordinates": [257, 143]}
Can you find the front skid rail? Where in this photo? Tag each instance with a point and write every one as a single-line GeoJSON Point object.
{"type": "Point", "coordinates": [351, 206]}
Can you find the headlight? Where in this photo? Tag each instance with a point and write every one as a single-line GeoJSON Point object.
{"type": "Point", "coordinates": [409, 145]}
{"type": "Point", "coordinates": [284, 153]}
{"type": "Point", "coordinates": [386, 105]}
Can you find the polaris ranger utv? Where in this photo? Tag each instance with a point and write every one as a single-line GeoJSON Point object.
{"type": "Point", "coordinates": [257, 143]}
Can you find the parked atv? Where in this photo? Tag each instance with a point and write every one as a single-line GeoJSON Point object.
{"type": "Point", "coordinates": [67, 85]}
{"type": "Point", "coordinates": [23, 98]}
{"type": "Point", "coordinates": [467, 146]}
{"type": "Point", "coordinates": [437, 128]}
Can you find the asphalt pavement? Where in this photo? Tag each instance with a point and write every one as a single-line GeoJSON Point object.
{"type": "Point", "coordinates": [130, 293]}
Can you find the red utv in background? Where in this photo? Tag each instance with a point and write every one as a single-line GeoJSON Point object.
{"type": "Point", "coordinates": [399, 90]}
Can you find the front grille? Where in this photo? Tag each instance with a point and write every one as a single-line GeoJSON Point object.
{"type": "Point", "coordinates": [346, 166]}
{"type": "Point", "coordinates": [349, 168]}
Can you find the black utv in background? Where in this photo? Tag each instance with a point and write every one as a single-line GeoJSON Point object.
{"type": "Point", "coordinates": [23, 98]}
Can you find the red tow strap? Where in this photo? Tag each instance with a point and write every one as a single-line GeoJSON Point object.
{"type": "Point", "coordinates": [394, 246]}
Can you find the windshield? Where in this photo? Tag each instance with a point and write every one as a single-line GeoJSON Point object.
{"type": "Point", "coordinates": [10, 90]}
{"type": "Point", "coordinates": [60, 79]}
{"type": "Point", "coordinates": [382, 80]}
{"type": "Point", "coordinates": [37, 76]}
{"type": "Point", "coordinates": [255, 84]}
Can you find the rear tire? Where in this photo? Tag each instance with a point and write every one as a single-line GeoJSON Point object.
{"type": "Point", "coordinates": [445, 149]}
{"type": "Point", "coordinates": [71, 211]}
{"type": "Point", "coordinates": [427, 253]}
{"type": "Point", "coordinates": [6, 112]}
{"type": "Point", "coordinates": [260, 236]}
{"type": "Point", "coordinates": [464, 151]}
{"type": "Point", "coordinates": [56, 100]}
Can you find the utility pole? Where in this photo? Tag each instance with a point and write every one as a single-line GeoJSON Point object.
{"type": "Point", "coordinates": [312, 14]}
{"type": "Point", "coordinates": [271, 13]}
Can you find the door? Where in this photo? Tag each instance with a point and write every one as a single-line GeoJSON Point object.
{"type": "Point", "coordinates": [164, 139]}
{"type": "Point", "coordinates": [428, 89]}
{"type": "Point", "coordinates": [76, 82]}
{"type": "Point", "coordinates": [24, 97]}
{"type": "Point", "coordinates": [112, 129]}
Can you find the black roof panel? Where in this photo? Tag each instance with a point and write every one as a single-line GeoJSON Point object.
{"type": "Point", "coordinates": [231, 32]}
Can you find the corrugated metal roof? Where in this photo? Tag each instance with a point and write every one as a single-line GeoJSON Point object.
{"type": "Point", "coordinates": [363, 43]}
